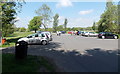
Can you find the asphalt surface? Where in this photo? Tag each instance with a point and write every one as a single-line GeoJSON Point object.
{"type": "Point", "coordinates": [78, 54]}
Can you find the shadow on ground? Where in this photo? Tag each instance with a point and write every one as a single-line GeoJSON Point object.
{"type": "Point", "coordinates": [92, 60]}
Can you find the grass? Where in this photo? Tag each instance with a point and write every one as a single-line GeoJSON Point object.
{"type": "Point", "coordinates": [30, 64]}
{"type": "Point", "coordinates": [19, 34]}
{"type": "Point", "coordinates": [14, 37]}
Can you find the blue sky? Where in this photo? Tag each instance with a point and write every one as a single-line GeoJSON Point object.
{"type": "Point", "coordinates": [79, 14]}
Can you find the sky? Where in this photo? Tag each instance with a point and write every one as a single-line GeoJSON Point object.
{"type": "Point", "coordinates": [79, 14]}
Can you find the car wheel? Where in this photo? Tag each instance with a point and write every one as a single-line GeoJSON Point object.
{"type": "Point", "coordinates": [103, 37]}
{"type": "Point", "coordinates": [115, 37]}
{"type": "Point", "coordinates": [44, 42]}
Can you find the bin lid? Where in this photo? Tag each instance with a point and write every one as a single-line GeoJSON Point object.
{"type": "Point", "coordinates": [22, 43]}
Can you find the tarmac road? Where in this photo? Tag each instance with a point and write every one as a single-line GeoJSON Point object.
{"type": "Point", "coordinates": [79, 54]}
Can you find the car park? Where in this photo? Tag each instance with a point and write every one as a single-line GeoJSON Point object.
{"type": "Point", "coordinates": [36, 38]}
{"type": "Point", "coordinates": [109, 35]}
{"type": "Point", "coordinates": [63, 32]}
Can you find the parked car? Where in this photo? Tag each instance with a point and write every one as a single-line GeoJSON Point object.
{"type": "Point", "coordinates": [83, 33]}
{"type": "Point", "coordinates": [110, 35]}
{"type": "Point", "coordinates": [63, 32]}
{"type": "Point", "coordinates": [90, 34]}
{"type": "Point", "coordinates": [49, 35]}
{"type": "Point", "coordinates": [36, 38]}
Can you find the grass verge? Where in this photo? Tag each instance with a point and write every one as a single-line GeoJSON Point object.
{"type": "Point", "coordinates": [30, 64]}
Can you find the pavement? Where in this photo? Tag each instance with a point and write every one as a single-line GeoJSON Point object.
{"type": "Point", "coordinates": [78, 54]}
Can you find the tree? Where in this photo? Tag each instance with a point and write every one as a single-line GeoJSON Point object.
{"type": "Point", "coordinates": [118, 18]}
{"type": "Point", "coordinates": [35, 23]}
{"type": "Point", "coordinates": [65, 23]}
{"type": "Point", "coordinates": [46, 13]}
{"type": "Point", "coordinates": [8, 10]}
{"type": "Point", "coordinates": [55, 22]}
{"type": "Point", "coordinates": [8, 15]}
{"type": "Point", "coordinates": [60, 28]}
{"type": "Point", "coordinates": [108, 20]}
{"type": "Point", "coordinates": [94, 27]}
{"type": "Point", "coordinates": [22, 29]}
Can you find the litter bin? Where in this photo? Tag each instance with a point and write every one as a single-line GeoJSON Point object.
{"type": "Point", "coordinates": [21, 49]}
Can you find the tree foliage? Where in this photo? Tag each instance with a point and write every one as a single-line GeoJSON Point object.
{"type": "Point", "coordinates": [8, 12]}
{"type": "Point", "coordinates": [65, 23]}
{"type": "Point", "coordinates": [7, 17]}
{"type": "Point", "coordinates": [35, 23]}
{"type": "Point", "coordinates": [119, 17]}
{"type": "Point", "coordinates": [94, 27]}
{"type": "Point", "coordinates": [46, 14]}
{"type": "Point", "coordinates": [60, 28]}
{"type": "Point", "coordinates": [55, 22]}
{"type": "Point", "coordinates": [22, 29]}
{"type": "Point", "coordinates": [109, 19]}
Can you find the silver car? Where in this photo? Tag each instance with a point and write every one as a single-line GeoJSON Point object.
{"type": "Point", "coordinates": [36, 38]}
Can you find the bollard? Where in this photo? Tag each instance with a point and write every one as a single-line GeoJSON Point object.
{"type": "Point", "coordinates": [3, 41]}
{"type": "Point", "coordinates": [21, 49]}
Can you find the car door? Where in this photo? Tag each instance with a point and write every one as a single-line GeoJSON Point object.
{"type": "Point", "coordinates": [110, 35]}
{"type": "Point", "coordinates": [106, 35]}
{"type": "Point", "coordinates": [32, 39]}
{"type": "Point", "coordinates": [37, 38]}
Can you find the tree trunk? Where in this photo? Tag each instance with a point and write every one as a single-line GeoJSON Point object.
{"type": "Point", "coordinates": [35, 31]}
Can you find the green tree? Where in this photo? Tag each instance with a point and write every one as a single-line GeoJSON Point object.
{"type": "Point", "coordinates": [35, 23]}
{"type": "Point", "coordinates": [65, 23]}
{"type": "Point", "coordinates": [22, 29]}
{"type": "Point", "coordinates": [8, 16]}
{"type": "Point", "coordinates": [55, 22]}
{"type": "Point", "coordinates": [60, 28]}
{"type": "Point", "coordinates": [108, 20]}
{"type": "Point", "coordinates": [94, 27]}
{"type": "Point", "coordinates": [8, 10]}
{"type": "Point", "coordinates": [118, 18]}
{"type": "Point", "coordinates": [46, 14]}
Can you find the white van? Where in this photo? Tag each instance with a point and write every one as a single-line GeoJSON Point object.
{"type": "Point", "coordinates": [36, 38]}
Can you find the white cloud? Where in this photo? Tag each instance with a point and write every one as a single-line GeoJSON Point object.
{"type": "Point", "coordinates": [61, 17]}
{"type": "Point", "coordinates": [64, 3]}
{"type": "Point", "coordinates": [86, 12]}
{"type": "Point", "coordinates": [23, 22]}
{"type": "Point", "coordinates": [17, 18]}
